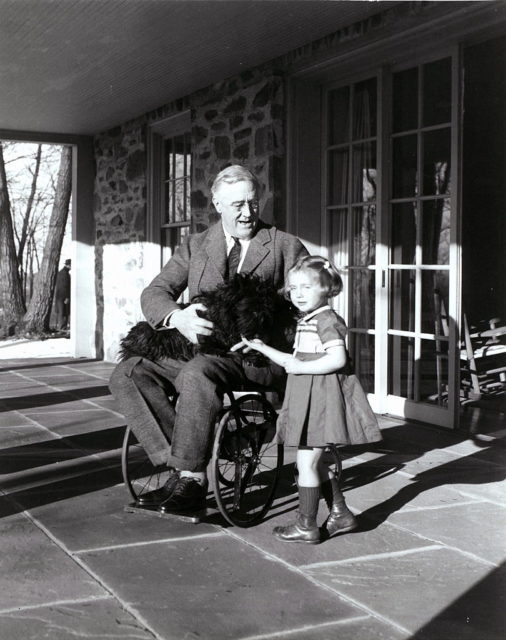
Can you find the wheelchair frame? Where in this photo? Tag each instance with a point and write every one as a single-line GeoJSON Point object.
{"type": "Point", "coordinates": [245, 463]}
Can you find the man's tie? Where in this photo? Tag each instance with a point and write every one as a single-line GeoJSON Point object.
{"type": "Point", "coordinates": [233, 259]}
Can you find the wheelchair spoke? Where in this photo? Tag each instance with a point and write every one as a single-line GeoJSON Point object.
{"type": "Point", "coordinates": [246, 464]}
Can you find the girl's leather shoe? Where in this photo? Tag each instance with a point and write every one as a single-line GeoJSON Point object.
{"type": "Point", "coordinates": [340, 520]}
{"type": "Point", "coordinates": [303, 530]}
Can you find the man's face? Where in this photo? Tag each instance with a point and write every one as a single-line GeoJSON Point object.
{"type": "Point", "coordinates": [238, 205]}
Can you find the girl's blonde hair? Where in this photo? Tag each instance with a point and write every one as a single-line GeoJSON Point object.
{"type": "Point", "coordinates": [327, 274]}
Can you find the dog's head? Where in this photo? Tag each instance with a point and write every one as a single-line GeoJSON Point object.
{"type": "Point", "coordinates": [245, 306]}
{"type": "Point", "coordinates": [250, 307]}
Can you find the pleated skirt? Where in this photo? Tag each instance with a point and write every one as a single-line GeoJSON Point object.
{"type": "Point", "coordinates": [323, 409]}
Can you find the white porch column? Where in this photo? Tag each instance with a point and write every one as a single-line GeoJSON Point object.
{"type": "Point", "coordinates": [83, 300]}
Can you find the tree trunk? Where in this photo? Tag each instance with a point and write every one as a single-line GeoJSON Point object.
{"type": "Point", "coordinates": [39, 310]}
{"type": "Point", "coordinates": [12, 306]}
{"type": "Point", "coordinates": [29, 206]}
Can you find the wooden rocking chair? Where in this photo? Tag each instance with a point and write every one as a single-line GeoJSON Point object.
{"type": "Point", "coordinates": [483, 356]}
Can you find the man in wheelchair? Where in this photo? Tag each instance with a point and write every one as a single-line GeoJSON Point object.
{"type": "Point", "coordinates": [239, 242]}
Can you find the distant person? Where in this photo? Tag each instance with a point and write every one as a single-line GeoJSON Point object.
{"type": "Point", "coordinates": [62, 297]}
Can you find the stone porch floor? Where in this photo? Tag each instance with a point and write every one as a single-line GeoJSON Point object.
{"type": "Point", "coordinates": [427, 562]}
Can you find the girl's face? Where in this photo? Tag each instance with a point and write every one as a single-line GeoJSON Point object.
{"type": "Point", "coordinates": [305, 291]}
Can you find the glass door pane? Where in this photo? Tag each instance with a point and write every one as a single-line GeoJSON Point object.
{"type": "Point", "coordinates": [350, 213]}
{"type": "Point", "coordinates": [420, 265]}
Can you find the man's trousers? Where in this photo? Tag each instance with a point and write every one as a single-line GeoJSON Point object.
{"type": "Point", "coordinates": [143, 389]}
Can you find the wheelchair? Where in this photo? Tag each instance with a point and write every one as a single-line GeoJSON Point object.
{"type": "Point", "coordinates": [245, 464]}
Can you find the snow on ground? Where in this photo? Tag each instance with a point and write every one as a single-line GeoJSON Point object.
{"type": "Point", "coordinates": [21, 348]}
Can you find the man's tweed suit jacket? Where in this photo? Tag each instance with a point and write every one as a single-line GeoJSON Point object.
{"type": "Point", "coordinates": [200, 263]}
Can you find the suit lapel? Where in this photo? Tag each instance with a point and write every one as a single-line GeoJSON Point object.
{"type": "Point", "coordinates": [258, 249]}
{"type": "Point", "coordinates": [215, 248]}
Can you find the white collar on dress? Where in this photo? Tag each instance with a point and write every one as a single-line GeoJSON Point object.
{"type": "Point", "coordinates": [311, 314]}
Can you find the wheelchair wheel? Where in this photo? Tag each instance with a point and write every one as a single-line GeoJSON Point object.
{"type": "Point", "coordinates": [139, 473]}
{"type": "Point", "coordinates": [246, 464]}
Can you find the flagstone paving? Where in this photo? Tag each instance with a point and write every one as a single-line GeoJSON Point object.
{"type": "Point", "coordinates": [427, 561]}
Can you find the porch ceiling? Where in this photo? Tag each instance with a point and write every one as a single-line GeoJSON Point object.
{"type": "Point", "coordinates": [82, 66]}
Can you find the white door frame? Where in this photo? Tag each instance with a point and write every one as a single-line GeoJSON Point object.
{"type": "Point", "coordinates": [83, 317]}
{"type": "Point", "coordinates": [309, 226]}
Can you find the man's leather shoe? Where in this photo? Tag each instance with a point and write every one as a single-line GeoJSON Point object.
{"type": "Point", "coordinates": [303, 530]}
{"type": "Point", "coordinates": [188, 494]}
{"type": "Point", "coordinates": [340, 520]}
{"type": "Point", "coordinates": [157, 496]}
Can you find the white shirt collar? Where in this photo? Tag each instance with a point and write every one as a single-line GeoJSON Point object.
{"type": "Point", "coordinates": [311, 314]}
{"type": "Point", "coordinates": [229, 241]}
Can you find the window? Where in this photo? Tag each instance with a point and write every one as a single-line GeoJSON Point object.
{"type": "Point", "coordinates": [389, 231]}
{"type": "Point", "coordinates": [420, 220]}
{"type": "Point", "coordinates": [176, 219]}
{"type": "Point", "coordinates": [170, 166]}
{"type": "Point", "coordinates": [350, 212]}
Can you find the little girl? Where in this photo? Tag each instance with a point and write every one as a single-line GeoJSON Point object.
{"type": "Point", "coordinates": [324, 403]}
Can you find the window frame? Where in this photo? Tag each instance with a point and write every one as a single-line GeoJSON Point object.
{"type": "Point", "coordinates": [157, 134]}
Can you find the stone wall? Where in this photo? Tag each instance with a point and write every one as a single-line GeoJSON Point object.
{"type": "Point", "coordinates": [239, 121]}
{"type": "Point", "coordinates": [120, 220]}
{"type": "Point", "coordinates": [125, 261]}
{"type": "Point", "coordinates": [120, 184]}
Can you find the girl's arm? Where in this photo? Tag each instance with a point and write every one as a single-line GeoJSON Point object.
{"type": "Point", "coordinates": [333, 360]}
{"type": "Point", "coordinates": [257, 345]}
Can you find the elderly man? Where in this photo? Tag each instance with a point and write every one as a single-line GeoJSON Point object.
{"type": "Point", "coordinates": [239, 242]}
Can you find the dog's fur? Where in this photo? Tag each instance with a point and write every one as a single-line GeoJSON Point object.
{"type": "Point", "coordinates": [246, 306]}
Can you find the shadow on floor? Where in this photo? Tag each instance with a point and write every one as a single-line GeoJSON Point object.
{"type": "Point", "coordinates": [478, 614]}
{"type": "Point", "coordinates": [75, 481]}
{"type": "Point", "coordinates": [38, 454]}
{"type": "Point", "coordinates": [402, 444]}
{"type": "Point", "coordinates": [463, 470]}
{"type": "Point", "coordinates": [36, 401]}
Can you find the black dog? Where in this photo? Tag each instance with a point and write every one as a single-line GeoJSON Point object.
{"type": "Point", "coordinates": [246, 306]}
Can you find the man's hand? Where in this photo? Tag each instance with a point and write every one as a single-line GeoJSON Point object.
{"type": "Point", "coordinates": [190, 324]}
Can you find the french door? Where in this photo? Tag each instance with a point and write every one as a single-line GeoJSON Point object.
{"type": "Point", "coordinates": [390, 148]}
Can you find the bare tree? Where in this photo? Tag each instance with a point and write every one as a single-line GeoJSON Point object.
{"type": "Point", "coordinates": [13, 306]}
{"type": "Point", "coordinates": [39, 310]}
{"type": "Point", "coordinates": [35, 228]}
{"type": "Point", "coordinates": [29, 206]}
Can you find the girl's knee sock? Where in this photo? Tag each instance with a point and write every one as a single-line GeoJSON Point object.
{"type": "Point", "coordinates": [308, 507]}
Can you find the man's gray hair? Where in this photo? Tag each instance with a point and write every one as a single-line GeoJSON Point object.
{"type": "Point", "coordinates": [232, 174]}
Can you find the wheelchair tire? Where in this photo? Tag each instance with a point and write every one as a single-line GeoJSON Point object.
{"type": "Point", "coordinates": [139, 473]}
{"type": "Point", "coordinates": [246, 464]}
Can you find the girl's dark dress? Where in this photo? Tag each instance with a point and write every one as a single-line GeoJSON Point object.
{"type": "Point", "coordinates": [329, 408]}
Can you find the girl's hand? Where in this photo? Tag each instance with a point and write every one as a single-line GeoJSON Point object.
{"type": "Point", "coordinates": [293, 365]}
{"type": "Point", "coordinates": [256, 344]}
